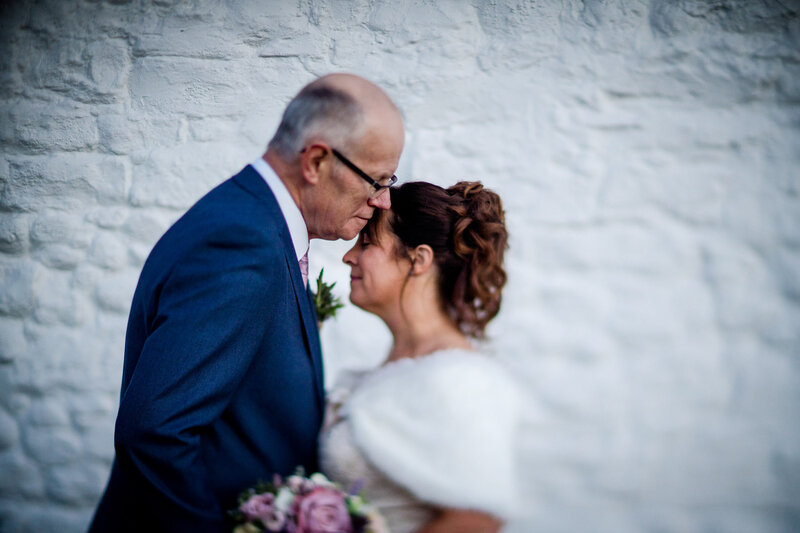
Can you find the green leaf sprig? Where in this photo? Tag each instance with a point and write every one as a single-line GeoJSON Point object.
{"type": "Point", "coordinates": [324, 300]}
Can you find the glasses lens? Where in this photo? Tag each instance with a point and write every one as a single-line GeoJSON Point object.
{"type": "Point", "coordinates": [377, 193]}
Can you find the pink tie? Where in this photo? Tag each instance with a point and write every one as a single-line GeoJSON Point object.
{"type": "Point", "coordinates": [304, 268]}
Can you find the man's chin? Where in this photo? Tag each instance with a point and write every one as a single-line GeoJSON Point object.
{"type": "Point", "coordinates": [346, 233]}
{"type": "Point", "coordinates": [351, 232]}
{"type": "Point", "coordinates": [349, 236]}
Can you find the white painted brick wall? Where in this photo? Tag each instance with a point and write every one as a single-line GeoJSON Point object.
{"type": "Point", "coordinates": [647, 154]}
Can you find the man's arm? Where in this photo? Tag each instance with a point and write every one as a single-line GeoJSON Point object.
{"type": "Point", "coordinates": [212, 314]}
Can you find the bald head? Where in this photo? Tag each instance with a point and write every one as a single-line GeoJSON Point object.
{"type": "Point", "coordinates": [368, 95]}
{"type": "Point", "coordinates": [340, 109]}
{"type": "Point", "coordinates": [334, 115]}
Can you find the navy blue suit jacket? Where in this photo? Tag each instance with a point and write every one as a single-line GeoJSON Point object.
{"type": "Point", "coordinates": [222, 382]}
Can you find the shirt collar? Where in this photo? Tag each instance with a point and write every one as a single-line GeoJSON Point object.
{"type": "Point", "coordinates": [291, 213]}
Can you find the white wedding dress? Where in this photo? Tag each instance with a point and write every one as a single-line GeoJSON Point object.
{"type": "Point", "coordinates": [417, 434]}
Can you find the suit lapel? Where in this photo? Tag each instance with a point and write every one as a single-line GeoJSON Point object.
{"type": "Point", "coordinates": [250, 180]}
{"type": "Point", "coordinates": [309, 317]}
{"type": "Point", "coordinates": [318, 363]}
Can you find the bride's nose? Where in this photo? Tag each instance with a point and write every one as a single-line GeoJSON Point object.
{"type": "Point", "coordinates": [351, 255]}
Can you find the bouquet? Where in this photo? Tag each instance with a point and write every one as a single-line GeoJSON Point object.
{"type": "Point", "coordinates": [302, 504]}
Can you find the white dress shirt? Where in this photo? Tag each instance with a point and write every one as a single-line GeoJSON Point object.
{"type": "Point", "coordinates": [291, 213]}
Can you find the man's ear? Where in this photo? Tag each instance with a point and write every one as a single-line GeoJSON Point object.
{"type": "Point", "coordinates": [314, 162]}
{"type": "Point", "coordinates": [422, 259]}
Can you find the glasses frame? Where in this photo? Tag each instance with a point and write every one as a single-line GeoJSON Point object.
{"type": "Point", "coordinates": [378, 188]}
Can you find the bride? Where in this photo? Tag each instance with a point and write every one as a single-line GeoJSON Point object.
{"type": "Point", "coordinates": [429, 434]}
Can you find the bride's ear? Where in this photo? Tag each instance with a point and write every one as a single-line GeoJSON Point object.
{"type": "Point", "coordinates": [422, 259]}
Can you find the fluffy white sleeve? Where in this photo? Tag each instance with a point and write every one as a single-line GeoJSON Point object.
{"type": "Point", "coordinates": [442, 426]}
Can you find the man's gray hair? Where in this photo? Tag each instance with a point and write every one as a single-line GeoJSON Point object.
{"type": "Point", "coordinates": [317, 110]}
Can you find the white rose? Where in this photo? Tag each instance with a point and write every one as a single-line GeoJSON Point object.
{"type": "Point", "coordinates": [284, 499]}
{"type": "Point", "coordinates": [320, 480]}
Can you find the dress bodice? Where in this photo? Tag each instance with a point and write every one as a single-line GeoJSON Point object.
{"type": "Point", "coordinates": [343, 462]}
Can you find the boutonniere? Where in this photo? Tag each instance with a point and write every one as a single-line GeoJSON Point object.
{"type": "Point", "coordinates": [325, 301]}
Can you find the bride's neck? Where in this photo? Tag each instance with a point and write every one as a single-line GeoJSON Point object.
{"type": "Point", "coordinates": [425, 334]}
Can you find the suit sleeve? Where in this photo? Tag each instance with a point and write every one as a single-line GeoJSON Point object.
{"type": "Point", "coordinates": [211, 316]}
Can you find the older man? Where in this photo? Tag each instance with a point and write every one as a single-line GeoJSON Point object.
{"type": "Point", "coordinates": [222, 382]}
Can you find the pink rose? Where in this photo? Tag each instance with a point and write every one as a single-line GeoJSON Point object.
{"type": "Point", "coordinates": [259, 507]}
{"type": "Point", "coordinates": [276, 521]}
{"type": "Point", "coordinates": [323, 510]}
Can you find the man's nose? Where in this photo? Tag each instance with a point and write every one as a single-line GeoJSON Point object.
{"type": "Point", "coordinates": [382, 201]}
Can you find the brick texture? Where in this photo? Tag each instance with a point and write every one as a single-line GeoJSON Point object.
{"type": "Point", "coordinates": [647, 153]}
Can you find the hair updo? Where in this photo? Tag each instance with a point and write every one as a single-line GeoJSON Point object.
{"type": "Point", "coordinates": [465, 226]}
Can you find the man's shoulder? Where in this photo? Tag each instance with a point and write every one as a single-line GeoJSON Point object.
{"type": "Point", "coordinates": [228, 217]}
{"type": "Point", "coordinates": [240, 201]}
{"type": "Point", "coordinates": [244, 196]}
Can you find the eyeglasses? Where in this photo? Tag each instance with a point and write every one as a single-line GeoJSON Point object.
{"type": "Point", "coordinates": [378, 189]}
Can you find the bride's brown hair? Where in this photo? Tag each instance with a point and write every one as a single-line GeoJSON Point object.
{"type": "Point", "coordinates": [465, 227]}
